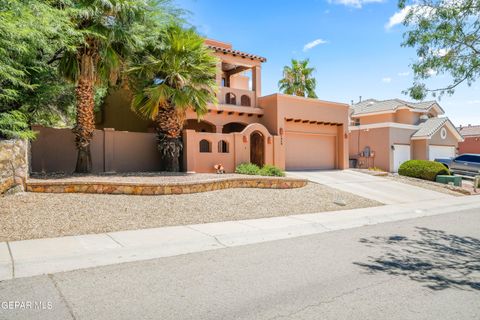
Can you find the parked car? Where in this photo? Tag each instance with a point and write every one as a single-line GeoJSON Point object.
{"type": "Point", "coordinates": [464, 164]}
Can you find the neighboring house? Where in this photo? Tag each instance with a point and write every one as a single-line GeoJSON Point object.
{"type": "Point", "coordinates": [471, 135]}
{"type": "Point", "coordinates": [386, 133]}
{"type": "Point", "coordinates": [287, 131]}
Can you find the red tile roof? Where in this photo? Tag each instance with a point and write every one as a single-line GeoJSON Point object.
{"type": "Point", "coordinates": [237, 53]}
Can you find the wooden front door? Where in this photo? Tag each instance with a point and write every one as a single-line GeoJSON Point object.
{"type": "Point", "coordinates": [257, 149]}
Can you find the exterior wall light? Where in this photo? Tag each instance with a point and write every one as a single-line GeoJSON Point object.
{"type": "Point", "coordinates": [281, 131]}
{"type": "Point", "coordinates": [245, 140]}
{"type": "Point", "coordinates": [269, 140]}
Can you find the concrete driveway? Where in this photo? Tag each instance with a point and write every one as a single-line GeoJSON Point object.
{"type": "Point", "coordinates": [371, 187]}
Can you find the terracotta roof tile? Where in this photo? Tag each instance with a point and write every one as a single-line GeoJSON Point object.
{"type": "Point", "coordinates": [238, 53]}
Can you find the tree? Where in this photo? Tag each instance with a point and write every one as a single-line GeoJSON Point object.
{"type": "Point", "coordinates": [31, 32]}
{"type": "Point", "coordinates": [178, 73]}
{"type": "Point", "coordinates": [446, 36]}
{"type": "Point", "coordinates": [297, 79]}
{"type": "Point", "coordinates": [107, 39]}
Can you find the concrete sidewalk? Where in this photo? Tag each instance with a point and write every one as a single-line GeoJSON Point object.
{"type": "Point", "coordinates": [370, 187]}
{"type": "Point", "coordinates": [34, 257]}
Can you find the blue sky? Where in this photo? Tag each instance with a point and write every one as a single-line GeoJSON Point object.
{"type": "Point", "coordinates": [354, 50]}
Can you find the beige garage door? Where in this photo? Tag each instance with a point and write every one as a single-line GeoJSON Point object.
{"type": "Point", "coordinates": [309, 151]}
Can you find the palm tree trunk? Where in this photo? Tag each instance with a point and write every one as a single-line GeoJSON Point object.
{"type": "Point", "coordinates": [85, 124]}
{"type": "Point", "coordinates": [169, 124]}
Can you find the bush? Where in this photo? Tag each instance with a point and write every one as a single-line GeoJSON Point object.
{"type": "Point", "coordinates": [272, 171]}
{"type": "Point", "coordinates": [247, 168]}
{"type": "Point", "coordinates": [422, 169]}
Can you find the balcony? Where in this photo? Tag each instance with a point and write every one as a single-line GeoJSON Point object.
{"type": "Point", "coordinates": [236, 97]}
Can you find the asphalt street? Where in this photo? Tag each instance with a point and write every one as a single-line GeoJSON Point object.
{"type": "Point", "coordinates": [424, 268]}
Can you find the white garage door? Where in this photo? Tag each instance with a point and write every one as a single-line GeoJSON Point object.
{"type": "Point", "coordinates": [309, 151]}
{"type": "Point", "coordinates": [441, 152]}
{"type": "Point", "coordinates": [400, 155]}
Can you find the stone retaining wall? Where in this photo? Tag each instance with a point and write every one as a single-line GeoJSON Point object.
{"type": "Point", "coordinates": [13, 164]}
{"type": "Point", "coordinates": [156, 189]}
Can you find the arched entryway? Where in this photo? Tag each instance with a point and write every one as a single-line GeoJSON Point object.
{"type": "Point", "coordinates": [257, 148]}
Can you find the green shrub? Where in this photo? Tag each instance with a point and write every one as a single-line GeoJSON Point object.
{"type": "Point", "coordinates": [422, 169]}
{"type": "Point", "coordinates": [272, 171]}
{"type": "Point", "coordinates": [247, 168]}
{"type": "Point", "coordinates": [14, 125]}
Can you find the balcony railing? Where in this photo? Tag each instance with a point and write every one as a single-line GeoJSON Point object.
{"type": "Point", "coordinates": [236, 97]}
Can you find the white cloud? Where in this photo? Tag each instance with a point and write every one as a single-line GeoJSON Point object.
{"type": "Point", "coordinates": [386, 79]}
{"type": "Point", "coordinates": [403, 74]}
{"type": "Point", "coordinates": [354, 3]}
{"type": "Point", "coordinates": [313, 44]}
{"type": "Point", "coordinates": [400, 16]}
{"type": "Point", "coordinates": [431, 72]}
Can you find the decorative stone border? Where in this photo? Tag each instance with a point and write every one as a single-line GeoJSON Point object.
{"type": "Point", "coordinates": [133, 188]}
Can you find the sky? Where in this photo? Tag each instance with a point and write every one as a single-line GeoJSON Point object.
{"type": "Point", "coordinates": [354, 45]}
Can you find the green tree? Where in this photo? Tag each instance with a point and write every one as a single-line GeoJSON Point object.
{"type": "Point", "coordinates": [31, 31]}
{"type": "Point", "coordinates": [178, 73]}
{"type": "Point", "coordinates": [446, 36]}
{"type": "Point", "coordinates": [298, 80]}
{"type": "Point", "coordinates": [108, 38]}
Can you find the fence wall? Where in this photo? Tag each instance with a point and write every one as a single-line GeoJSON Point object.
{"type": "Point", "coordinates": [112, 151]}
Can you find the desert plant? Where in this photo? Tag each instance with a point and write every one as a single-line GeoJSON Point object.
{"type": "Point", "coordinates": [422, 169]}
{"type": "Point", "coordinates": [247, 168]}
{"type": "Point", "coordinates": [179, 74]}
{"type": "Point", "coordinates": [270, 170]}
{"type": "Point", "coordinates": [14, 125]}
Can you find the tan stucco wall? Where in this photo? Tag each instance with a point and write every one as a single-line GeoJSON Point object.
{"type": "Point", "coordinates": [279, 108]}
{"type": "Point", "coordinates": [238, 149]}
{"type": "Point", "coordinates": [379, 142]}
{"type": "Point", "coordinates": [420, 149]}
{"type": "Point", "coordinates": [239, 81]}
{"type": "Point", "coordinates": [407, 116]}
{"type": "Point", "coordinates": [388, 117]}
{"type": "Point", "coordinates": [437, 140]}
{"type": "Point", "coordinates": [116, 113]}
{"type": "Point", "coordinates": [120, 151]}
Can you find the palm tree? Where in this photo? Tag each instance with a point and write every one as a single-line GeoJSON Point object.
{"type": "Point", "coordinates": [297, 79]}
{"type": "Point", "coordinates": [179, 73]}
{"type": "Point", "coordinates": [104, 29]}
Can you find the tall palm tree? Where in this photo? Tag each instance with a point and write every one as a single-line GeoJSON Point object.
{"type": "Point", "coordinates": [104, 29]}
{"type": "Point", "coordinates": [297, 79]}
{"type": "Point", "coordinates": [179, 73]}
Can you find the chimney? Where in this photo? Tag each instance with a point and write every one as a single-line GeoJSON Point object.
{"type": "Point", "coordinates": [360, 99]}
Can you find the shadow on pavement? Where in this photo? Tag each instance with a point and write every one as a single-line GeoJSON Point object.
{"type": "Point", "coordinates": [434, 257]}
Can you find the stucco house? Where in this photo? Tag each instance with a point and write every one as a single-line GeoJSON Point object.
{"type": "Point", "coordinates": [385, 133]}
{"type": "Point", "coordinates": [471, 144]}
{"type": "Point", "coordinates": [287, 131]}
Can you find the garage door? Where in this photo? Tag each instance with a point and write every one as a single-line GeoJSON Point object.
{"type": "Point", "coordinates": [309, 151]}
{"type": "Point", "coordinates": [400, 155]}
{"type": "Point", "coordinates": [441, 152]}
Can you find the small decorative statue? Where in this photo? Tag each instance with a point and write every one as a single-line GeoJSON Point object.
{"type": "Point", "coordinates": [219, 168]}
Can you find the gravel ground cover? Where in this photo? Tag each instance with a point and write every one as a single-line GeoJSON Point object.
{"type": "Point", "coordinates": [41, 215]}
{"type": "Point", "coordinates": [434, 186]}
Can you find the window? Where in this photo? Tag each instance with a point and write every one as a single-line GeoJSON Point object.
{"type": "Point", "coordinates": [230, 98]}
{"type": "Point", "coordinates": [468, 158]}
{"type": "Point", "coordinates": [222, 146]}
{"type": "Point", "coordinates": [205, 146]}
{"type": "Point", "coordinates": [245, 101]}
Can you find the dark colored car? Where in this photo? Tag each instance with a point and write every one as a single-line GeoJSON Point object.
{"type": "Point", "coordinates": [464, 164]}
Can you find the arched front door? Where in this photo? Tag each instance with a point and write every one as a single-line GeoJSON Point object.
{"type": "Point", "coordinates": [257, 148]}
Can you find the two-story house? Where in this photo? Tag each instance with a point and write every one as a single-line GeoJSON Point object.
{"type": "Point", "coordinates": [287, 131]}
{"type": "Point", "coordinates": [386, 133]}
